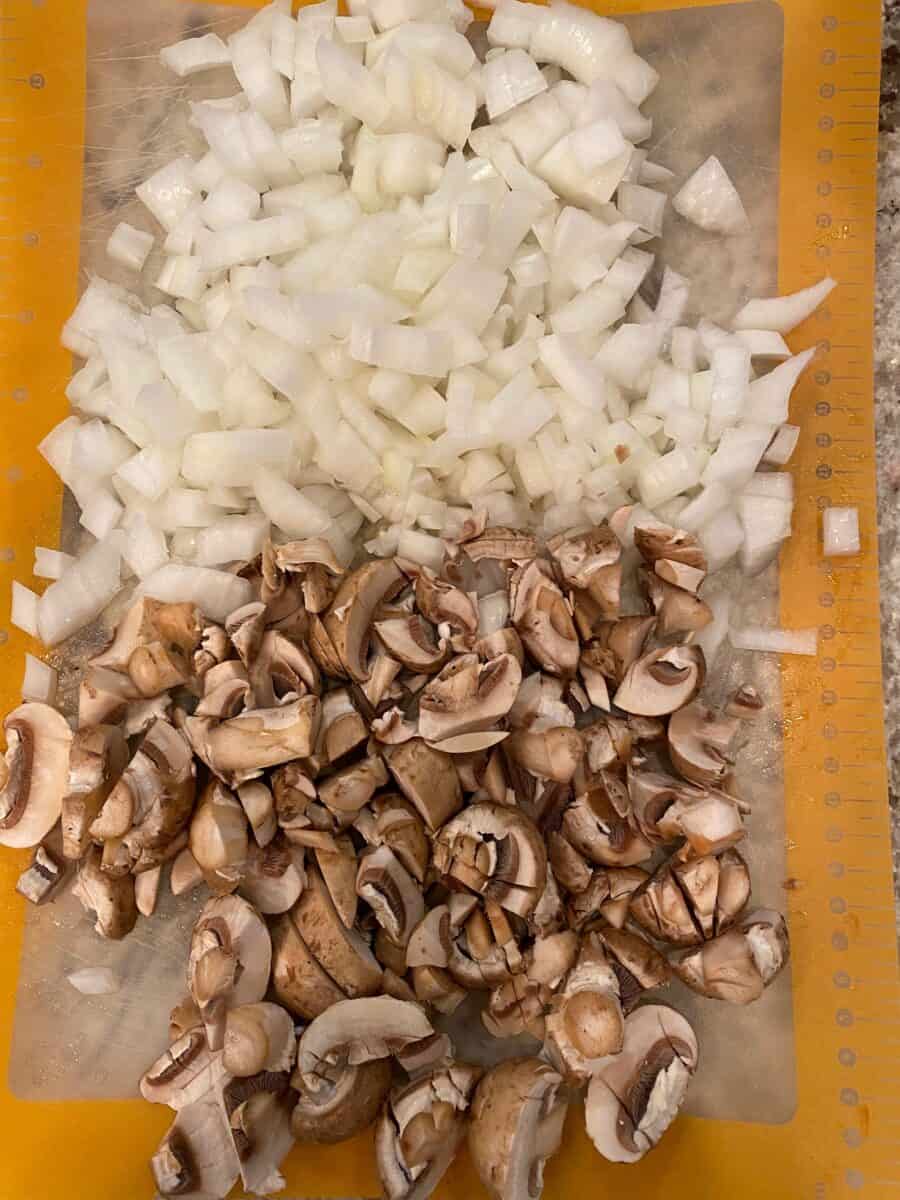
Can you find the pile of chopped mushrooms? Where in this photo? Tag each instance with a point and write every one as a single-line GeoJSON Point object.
{"type": "Point", "coordinates": [401, 786]}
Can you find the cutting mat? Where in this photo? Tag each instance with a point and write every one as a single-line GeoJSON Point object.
{"type": "Point", "coordinates": [844, 1137]}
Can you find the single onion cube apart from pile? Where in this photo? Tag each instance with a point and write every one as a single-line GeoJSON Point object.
{"type": "Point", "coordinates": [840, 532]}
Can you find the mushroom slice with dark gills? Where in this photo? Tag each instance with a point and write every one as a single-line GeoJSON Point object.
{"type": "Point", "coordinates": [738, 965]}
{"type": "Point", "coordinates": [35, 773]}
{"type": "Point", "coordinates": [677, 609]}
{"type": "Point", "coordinates": [634, 1096]}
{"type": "Point", "coordinates": [516, 1123]}
{"type": "Point", "coordinates": [271, 878]}
{"type": "Point", "coordinates": [357, 1031]}
{"type": "Point", "coordinates": [497, 852]}
{"type": "Point", "coordinates": [662, 681]}
{"type": "Point", "coordinates": [541, 617]}
{"type": "Point", "coordinates": [420, 1130]}
{"type": "Point", "coordinates": [585, 1023]}
{"type": "Point", "coordinates": [341, 729]}
{"type": "Point", "coordinates": [700, 743]}
{"type": "Point", "coordinates": [185, 1073]}
{"type": "Point", "coordinates": [638, 966]}
{"type": "Point", "coordinates": [196, 1160]}
{"type": "Point", "coordinates": [410, 642]}
{"type": "Point", "coordinates": [152, 801]}
{"type": "Point", "coordinates": [231, 953]}
{"type": "Point", "coordinates": [391, 892]}
{"type": "Point", "coordinates": [590, 561]}
{"type": "Point", "coordinates": [39, 879]}
{"type": "Point", "coordinates": [468, 696]}
{"type": "Point", "coordinates": [281, 671]}
{"type": "Point", "coordinates": [348, 621]}
{"type": "Point", "coordinates": [624, 640]}
{"type": "Point", "coordinates": [242, 747]}
{"type": "Point", "coordinates": [258, 1110]}
{"type": "Point", "coordinates": [96, 760]}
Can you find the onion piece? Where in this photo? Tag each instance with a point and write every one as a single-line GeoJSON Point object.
{"type": "Point", "coordinates": [40, 681]}
{"type": "Point", "coordinates": [710, 200]}
{"type": "Point", "coordinates": [196, 54]}
{"type": "Point", "coordinates": [509, 79]}
{"type": "Point", "coordinates": [50, 564]}
{"type": "Point", "coordinates": [94, 981]}
{"type": "Point", "coordinates": [776, 641]}
{"type": "Point", "coordinates": [784, 313]}
{"type": "Point", "coordinates": [840, 532]}
{"type": "Point", "coordinates": [82, 592]}
{"type": "Point", "coordinates": [216, 593]}
{"type": "Point", "coordinates": [24, 611]}
{"type": "Point", "coordinates": [782, 446]}
{"type": "Point", "coordinates": [286, 507]}
{"type": "Point", "coordinates": [769, 397]}
{"type": "Point", "coordinates": [129, 246]}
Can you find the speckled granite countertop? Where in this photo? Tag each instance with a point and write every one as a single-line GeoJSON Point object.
{"type": "Point", "coordinates": [887, 391]}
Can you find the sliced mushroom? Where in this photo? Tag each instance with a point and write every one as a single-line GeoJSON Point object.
{"type": "Point", "coordinates": [519, 1004]}
{"type": "Point", "coordinates": [700, 741]}
{"type": "Point", "coordinates": [110, 898]}
{"type": "Point", "coordinates": [420, 1130]}
{"type": "Point", "coordinates": [226, 691]}
{"type": "Point", "coordinates": [245, 628]}
{"type": "Point", "coordinates": [549, 753]}
{"type": "Point", "coordinates": [391, 892]}
{"type": "Point", "coordinates": [662, 541]}
{"type": "Point", "coordinates": [241, 748]}
{"type": "Point", "coordinates": [635, 1096]}
{"type": "Point", "coordinates": [496, 852]}
{"type": "Point", "coordinates": [214, 648]}
{"type": "Point", "coordinates": [677, 609]}
{"type": "Point", "coordinates": [516, 1124]}
{"type": "Point", "coordinates": [298, 981]}
{"type": "Point", "coordinates": [623, 882]}
{"type": "Point", "coordinates": [441, 603]}
{"type": "Point", "coordinates": [151, 802]}
{"type": "Point", "coordinates": [258, 1037]}
{"type": "Point", "coordinates": [409, 641]}
{"type": "Point", "coordinates": [589, 561]}
{"type": "Point", "coordinates": [625, 640]}
{"type": "Point", "coordinates": [39, 879]}
{"type": "Point", "coordinates": [746, 704]}
{"type": "Point", "coordinates": [146, 890]}
{"type": "Point", "coordinates": [543, 621]}
{"type": "Point", "coordinates": [229, 965]}
{"type": "Point", "coordinates": [596, 666]}
{"type": "Point", "coordinates": [638, 966]}
{"type": "Point", "coordinates": [185, 874]}
{"type": "Point", "coordinates": [429, 943]}
{"type": "Point", "coordinates": [357, 1031]}
{"type": "Point", "coordinates": [585, 1023]}
{"type": "Point", "coordinates": [323, 649]}
{"type": "Point", "coordinates": [341, 952]}
{"type": "Point", "coordinates": [339, 1101]}
{"type": "Point", "coordinates": [96, 760]}
{"type": "Point", "coordinates": [38, 744]}
{"type": "Point", "coordinates": [662, 681]}
{"type": "Point", "coordinates": [342, 729]}
{"type": "Point", "coordinates": [338, 866]}
{"type": "Point", "coordinates": [428, 780]}
{"type": "Point", "coordinates": [710, 821]}
{"type": "Point", "coordinates": [737, 966]}
{"type": "Point", "coordinates": [150, 621]}
{"type": "Point", "coordinates": [282, 670]}
{"type": "Point", "coordinates": [569, 866]}
{"type": "Point", "coordinates": [435, 988]}
{"type": "Point", "coordinates": [389, 820]}
{"type": "Point", "coordinates": [271, 878]}
{"type": "Point", "coordinates": [296, 557]}
{"type": "Point", "coordinates": [468, 696]}
{"type": "Point", "coordinates": [218, 834]}
{"type": "Point", "coordinates": [185, 1073]}
{"type": "Point", "coordinates": [259, 806]}
{"type": "Point", "coordinates": [501, 544]}
{"type": "Point", "coordinates": [351, 788]}
{"type": "Point", "coordinates": [679, 574]}
{"type": "Point", "coordinates": [259, 1119]}
{"type": "Point", "coordinates": [104, 696]}
{"type": "Point", "coordinates": [348, 621]}
{"type": "Point", "coordinates": [596, 824]}
{"type": "Point", "coordinates": [184, 1017]}
{"type": "Point", "coordinates": [196, 1159]}
{"type": "Point", "coordinates": [661, 907]}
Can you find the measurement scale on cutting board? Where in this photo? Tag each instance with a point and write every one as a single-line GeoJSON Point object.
{"type": "Point", "coordinates": [843, 1139]}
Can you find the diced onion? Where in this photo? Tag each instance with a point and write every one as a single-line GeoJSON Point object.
{"type": "Point", "coordinates": [840, 532]}
{"type": "Point", "coordinates": [40, 681]}
{"type": "Point", "coordinates": [776, 641]}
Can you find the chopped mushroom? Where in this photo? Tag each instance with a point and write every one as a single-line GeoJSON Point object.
{"type": "Point", "coordinates": [36, 770]}
{"type": "Point", "coordinates": [196, 1158]}
{"type": "Point", "coordinates": [468, 696]}
{"type": "Point", "coordinates": [339, 1101]}
{"type": "Point", "coordinates": [420, 1130]}
{"type": "Point", "coordinates": [391, 892]}
{"type": "Point", "coordinates": [662, 681]}
{"type": "Point", "coordinates": [109, 897]}
{"type": "Point", "coordinates": [738, 965]}
{"type": "Point", "coordinates": [229, 962]}
{"type": "Point", "coordinates": [96, 760]}
{"type": "Point", "coordinates": [357, 1031]}
{"type": "Point", "coordinates": [258, 1037]}
{"type": "Point", "coordinates": [409, 641]}
{"type": "Point", "coordinates": [516, 1124]}
{"type": "Point", "coordinates": [347, 623]}
{"type": "Point", "coordinates": [543, 621]}
{"type": "Point", "coordinates": [240, 749]}
{"type": "Point", "coordinates": [586, 1023]}
{"type": "Point", "coordinates": [495, 851]}
{"type": "Point", "coordinates": [428, 780]}
{"type": "Point", "coordinates": [634, 1096]}
{"type": "Point", "coordinates": [699, 743]}
{"type": "Point", "coordinates": [39, 879]}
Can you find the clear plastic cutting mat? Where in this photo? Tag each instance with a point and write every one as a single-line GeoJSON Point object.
{"type": "Point", "coordinates": [737, 81]}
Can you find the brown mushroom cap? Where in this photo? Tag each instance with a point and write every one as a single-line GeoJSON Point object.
{"type": "Point", "coordinates": [339, 1103]}
{"type": "Point", "coordinates": [516, 1124]}
{"type": "Point", "coordinates": [359, 1030]}
{"type": "Point", "coordinates": [467, 696]}
{"type": "Point", "coordinates": [298, 981]}
{"type": "Point", "coordinates": [677, 609]}
{"type": "Point", "coordinates": [348, 621]}
{"type": "Point", "coordinates": [38, 743]}
{"type": "Point", "coordinates": [662, 681]}
{"type": "Point", "coordinates": [635, 1095]}
{"type": "Point", "coordinates": [340, 951]}
{"type": "Point", "coordinates": [409, 640]}
{"type": "Point", "coordinates": [638, 965]}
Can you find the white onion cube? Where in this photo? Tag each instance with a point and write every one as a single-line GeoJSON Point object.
{"type": "Point", "coordinates": [840, 532]}
{"type": "Point", "coordinates": [129, 246]}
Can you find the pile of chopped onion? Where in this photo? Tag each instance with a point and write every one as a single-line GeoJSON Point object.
{"type": "Point", "coordinates": [401, 291]}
